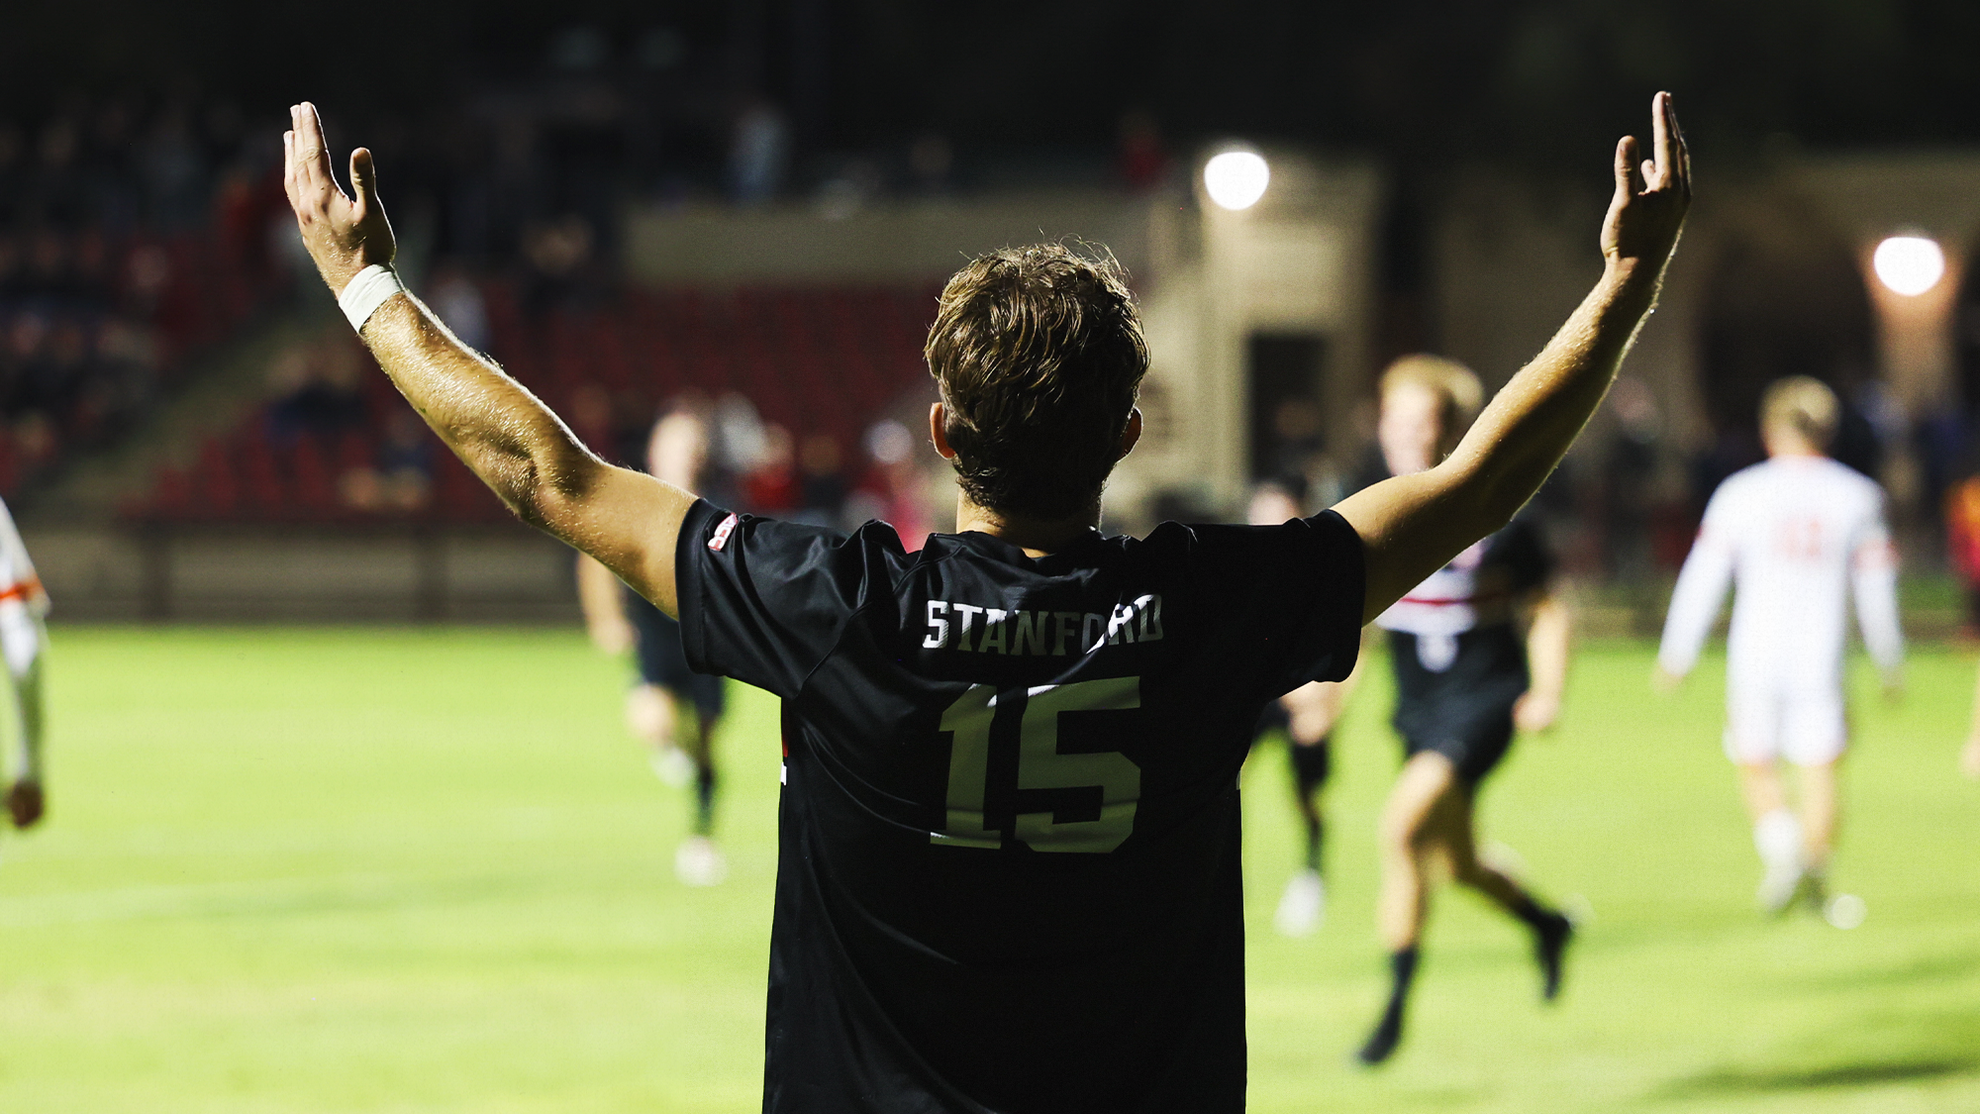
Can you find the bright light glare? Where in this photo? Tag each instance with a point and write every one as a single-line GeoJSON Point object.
{"type": "Point", "coordinates": [1236, 179]}
{"type": "Point", "coordinates": [1909, 265]}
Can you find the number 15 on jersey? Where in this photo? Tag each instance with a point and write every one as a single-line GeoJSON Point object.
{"type": "Point", "coordinates": [1040, 766]}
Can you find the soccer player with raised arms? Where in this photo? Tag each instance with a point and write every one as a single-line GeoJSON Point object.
{"type": "Point", "coordinates": [1796, 533]}
{"type": "Point", "coordinates": [1009, 873]}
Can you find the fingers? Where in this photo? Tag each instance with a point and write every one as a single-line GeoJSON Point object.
{"type": "Point", "coordinates": [364, 179]}
{"type": "Point", "coordinates": [1661, 122]}
{"type": "Point", "coordinates": [1627, 182]}
{"type": "Point", "coordinates": [312, 151]}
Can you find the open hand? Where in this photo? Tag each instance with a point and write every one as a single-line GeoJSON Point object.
{"type": "Point", "coordinates": [25, 802]}
{"type": "Point", "coordinates": [1648, 209]}
{"type": "Point", "coordinates": [344, 236]}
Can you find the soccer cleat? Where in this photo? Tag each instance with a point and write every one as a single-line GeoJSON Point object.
{"type": "Point", "coordinates": [1381, 1044]}
{"type": "Point", "coordinates": [700, 863]}
{"type": "Point", "coordinates": [1550, 942]}
{"type": "Point", "coordinates": [1303, 907]}
{"type": "Point", "coordinates": [1844, 911]}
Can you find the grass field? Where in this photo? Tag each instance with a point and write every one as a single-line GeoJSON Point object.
{"type": "Point", "coordinates": [425, 871]}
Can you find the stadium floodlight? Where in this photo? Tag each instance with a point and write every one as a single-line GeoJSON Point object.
{"type": "Point", "coordinates": [1236, 179]}
{"type": "Point", "coordinates": [1909, 265]}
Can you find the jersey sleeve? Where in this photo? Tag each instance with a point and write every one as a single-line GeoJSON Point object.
{"type": "Point", "coordinates": [1295, 590]}
{"type": "Point", "coordinates": [1522, 550]}
{"type": "Point", "coordinates": [761, 600]}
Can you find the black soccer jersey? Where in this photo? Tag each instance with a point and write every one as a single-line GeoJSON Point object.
{"type": "Point", "coordinates": [1008, 874]}
{"type": "Point", "coordinates": [1459, 661]}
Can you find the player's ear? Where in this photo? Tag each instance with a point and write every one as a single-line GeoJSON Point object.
{"type": "Point", "coordinates": [1132, 433]}
{"type": "Point", "coordinates": [938, 431]}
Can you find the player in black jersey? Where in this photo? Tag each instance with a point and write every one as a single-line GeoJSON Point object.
{"type": "Point", "coordinates": [1463, 685]}
{"type": "Point", "coordinates": [620, 619]}
{"type": "Point", "coordinates": [1009, 873]}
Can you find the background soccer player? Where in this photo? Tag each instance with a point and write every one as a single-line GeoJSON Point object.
{"type": "Point", "coordinates": [619, 619]}
{"type": "Point", "coordinates": [1009, 871]}
{"type": "Point", "coordinates": [1466, 679]}
{"type": "Point", "coordinates": [23, 640]}
{"type": "Point", "coordinates": [1795, 533]}
{"type": "Point", "coordinates": [1306, 716]}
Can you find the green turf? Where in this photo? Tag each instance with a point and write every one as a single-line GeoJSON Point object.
{"type": "Point", "coordinates": [426, 871]}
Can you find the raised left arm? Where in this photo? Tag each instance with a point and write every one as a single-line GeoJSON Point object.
{"type": "Point", "coordinates": [628, 520]}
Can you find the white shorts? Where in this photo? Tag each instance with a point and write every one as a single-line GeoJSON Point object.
{"type": "Point", "coordinates": [1765, 723]}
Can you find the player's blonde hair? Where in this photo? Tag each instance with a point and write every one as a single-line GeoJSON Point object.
{"type": "Point", "coordinates": [1456, 385]}
{"type": "Point", "coordinates": [1801, 405]}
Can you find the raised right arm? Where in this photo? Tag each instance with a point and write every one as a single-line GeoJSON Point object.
{"type": "Point", "coordinates": [628, 520]}
{"type": "Point", "coordinates": [1412, 525]}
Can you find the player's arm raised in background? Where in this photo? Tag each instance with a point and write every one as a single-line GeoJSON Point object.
{"type": "Point", "coordinates": [628, 520]}
{"type": "Point", "coordinates": [1412, 525]}
{"type": "Point", "coordinates": [1549, 633]}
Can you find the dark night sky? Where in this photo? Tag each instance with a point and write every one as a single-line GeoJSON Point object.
{"type": "Point", "coordinates": [1530, 81]}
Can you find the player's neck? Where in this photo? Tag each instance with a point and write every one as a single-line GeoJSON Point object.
{"type": "Point", "coordinates": [1036, 536]}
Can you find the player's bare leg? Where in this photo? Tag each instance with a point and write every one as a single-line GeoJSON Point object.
{"type": "Point", "coordinates": [1457, 832]}
{"type": "Point", "coordinates": [653, 716]}
{"type": "Point", "coordinates": [1429, 818]}
{"type": "Point", "coordinates": [1303, 906]}
{"type": "Point", "coordinates": [23, 637]}
{"type": "Point", "coordinates": [1821, 812]}
{"type": "Point", "coordinates": [1408, 853]}
{"type": "Point", "coordinates": [1777, 834]}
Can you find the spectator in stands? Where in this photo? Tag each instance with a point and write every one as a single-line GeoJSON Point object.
{"type": "Point", "coordinates": [891, 491]}
{"type": "Point", "coordinates": [1139, 158]}
{"type": "Point", "coordinates": [560, 259]}
{"type": "Point", "coordinates": [757, 152]}
{"type": "Point", "coordinates": [317, 392]}
{"type": "Point", "coordinates": [405, 462]}
{"type": "Point", "coordinates": [821, 483]}
{"type": "Point", "coordinates": [771, 484]}
{"type": "Point", "coordinates": [458, 302]}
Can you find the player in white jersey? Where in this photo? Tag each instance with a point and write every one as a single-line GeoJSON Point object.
{"type": "Point", "coordinates": [1796, 533]}
{"type": "Point", "coordinates": [23, 637]}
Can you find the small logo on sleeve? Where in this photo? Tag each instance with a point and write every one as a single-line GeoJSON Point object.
{"type": "Point", "coordinates": [722, 532]}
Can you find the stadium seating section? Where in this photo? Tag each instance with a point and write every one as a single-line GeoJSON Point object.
{"type": "Point", "coordinates": [811, 360]}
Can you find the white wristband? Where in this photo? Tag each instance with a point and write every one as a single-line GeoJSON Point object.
{"type": "Point", "coordinates": [364, 294]}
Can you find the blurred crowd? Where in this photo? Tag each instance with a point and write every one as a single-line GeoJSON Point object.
{"type": "Point", "coordinates": [132, 231]}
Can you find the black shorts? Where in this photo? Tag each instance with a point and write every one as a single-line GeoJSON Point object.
{"type": "Point", "coordinates": [1475, 748]}
{"type": "Point", "coordinates": [1272, 717]}
{"type": "Point", "coordinates": [662, 661]}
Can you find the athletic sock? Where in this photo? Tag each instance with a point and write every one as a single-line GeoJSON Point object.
{"type": "Point", "coordinates": [1310, 768]}
{"type": "Point", "coordinates": [1381, 1043]}
{"type": "Point", "coordinates": [1536, 916]}
{"type": "Point", "coordinates": [1777, 838]}
{"type": "Point", "coordinates": [704, 801]}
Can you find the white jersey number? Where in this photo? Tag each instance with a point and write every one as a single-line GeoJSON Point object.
{"type": "Point", "coordinates": [1041, 766]}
